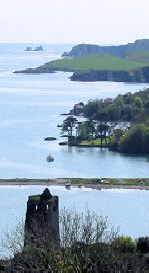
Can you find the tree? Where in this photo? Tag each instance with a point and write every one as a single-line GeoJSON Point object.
{"type": "Point", "coordinates": [137, 107]}
{"type": "Point", "coordinates": [87, 129]}
{"type": "Point", "coordinates": [68, 125]}
{"type": "Point", "coordinates": [92, 107]}
{"type": "Point", "coordinates": [13, 240]}
{"type": "Point", "coordinates": [133, 140]}
{"type": "Point", "coordinates": [102, 130]}
{"type": "Point", "coordinates": [88, 245]}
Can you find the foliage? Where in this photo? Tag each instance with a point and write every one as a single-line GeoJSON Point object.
{"type": "Point", "coordinates": [143, 244]}
{"type": "Point", "coordinates": [136, 140]}
{"type": "Point", "coordinates": [68, 125]}
{"type": "Point", "coordinates": [13, 240]}
{"type": "Point", "coordinates": [88, 245]}
{"type": "Point", "coordinates": [86, 130]}
{"type": "Point", "coordinates": [128, 107]}
{"type": "Point", "coordinates": [109, 122]}
{"type": "Point", "coordinates": [84, 227]}
{"type": "Point", "coordinates": [124, 244]}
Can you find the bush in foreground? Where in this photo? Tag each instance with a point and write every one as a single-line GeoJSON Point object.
{"type": "Point", "coordinates": [88, 245]}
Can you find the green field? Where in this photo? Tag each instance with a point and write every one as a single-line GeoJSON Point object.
{"type": "Point", "coordinates": [138, 56]}
{"type": "Point", "coordinates": [94, 142]}
{"type": "Point", "coordinates": [94, 62]}
{"type": "Point", "coordinates": [111, 181]}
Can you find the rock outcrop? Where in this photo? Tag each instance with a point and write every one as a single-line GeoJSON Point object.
{"type": "Point", "coordinates": [139, 75]}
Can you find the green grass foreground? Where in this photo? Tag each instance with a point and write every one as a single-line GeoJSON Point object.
{"type": "Point", "coordinates": [94, 62]}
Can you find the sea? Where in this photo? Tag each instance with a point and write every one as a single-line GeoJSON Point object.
{"type": "Point", "coordinates": [30, 110]}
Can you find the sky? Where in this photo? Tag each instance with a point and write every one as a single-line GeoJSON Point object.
{"type": "Point", "coordinates": [74, 21]}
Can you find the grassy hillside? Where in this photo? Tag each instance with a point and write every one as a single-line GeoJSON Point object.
{"type": "Point", "coordinates": [138, 56]}
{"type": "Point", "coordinates": [94, 62]}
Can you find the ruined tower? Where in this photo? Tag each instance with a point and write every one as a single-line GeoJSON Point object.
{"type": "Point", "coordinates": [42, 221]}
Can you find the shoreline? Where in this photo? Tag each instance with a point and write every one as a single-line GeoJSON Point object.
{"type": "Point", "coordinates": [62, 181]}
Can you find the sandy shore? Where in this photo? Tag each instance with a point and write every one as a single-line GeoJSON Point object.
{"type": "Point", "coordinates": [61, 182]}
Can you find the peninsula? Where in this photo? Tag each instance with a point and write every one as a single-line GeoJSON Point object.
{"type": "Point", "coordinates": [125, 63]}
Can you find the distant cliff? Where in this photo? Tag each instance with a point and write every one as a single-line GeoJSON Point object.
{"type": "Point", "coordinates": [138, 75]}
{"type": "Point", "coordinates": [121, 50]}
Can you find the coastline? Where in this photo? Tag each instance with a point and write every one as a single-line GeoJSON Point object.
{"type": "Point", "coordinates": [62, 181]}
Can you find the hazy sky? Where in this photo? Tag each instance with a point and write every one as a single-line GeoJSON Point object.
{"type": "Point", "coordinates": [74, 21]}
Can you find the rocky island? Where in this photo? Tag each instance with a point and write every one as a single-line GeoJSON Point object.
{"type": "Point", "coordinates": [124, 63]}
{"type": "Point", "coordinates": [37, 48]}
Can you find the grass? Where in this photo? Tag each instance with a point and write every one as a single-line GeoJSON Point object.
{"type": "Point", "coordinates": [94, 62]}
{"type": "Point", "coordinates": [112, 181]}
{"type": "Point", "coordinates": [34, 197]}
{"type": "Point", "coordinates": [95, 142]}
{"type": "Point", "coordinates": [138, 56]}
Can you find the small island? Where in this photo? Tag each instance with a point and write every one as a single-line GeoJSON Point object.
{"type": "Point", "coordinates": [37, 48]}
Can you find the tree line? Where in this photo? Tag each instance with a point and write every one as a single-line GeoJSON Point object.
{"type": "Point", "coordinates": [89, 244]}
{"type": "Point", "coordinates": [127, 107]}
{"type": "Point", "coordinates": [105, 121]}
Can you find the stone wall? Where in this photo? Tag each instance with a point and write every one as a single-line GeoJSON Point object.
{"type": "Point", "coordinates": [42, 221]}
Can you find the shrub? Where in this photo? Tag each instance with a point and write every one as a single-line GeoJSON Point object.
{"type": "Point", "coordinates": [143, 244]}
{"type": "Point", "coordinates": [124, 244]}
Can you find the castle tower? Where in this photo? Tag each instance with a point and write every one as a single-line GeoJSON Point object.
{"type": "Point", "coordinates": [42, 221]}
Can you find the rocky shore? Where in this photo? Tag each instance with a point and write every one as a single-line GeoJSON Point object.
{"type": "Point", "coordinates": [139, 75]}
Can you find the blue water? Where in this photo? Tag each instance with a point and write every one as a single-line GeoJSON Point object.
{"type": "Point", "coordinates": [30, 108]}
{"type": "Point", "coordinates": [126, 209]}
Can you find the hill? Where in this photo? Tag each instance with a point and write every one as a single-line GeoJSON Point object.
{"type": "Point", "coordinates": [100, 67]}
{"type": "Point", "coordinates": [118, 50]}
{"type": "Point", "coordinates": [90, 62]}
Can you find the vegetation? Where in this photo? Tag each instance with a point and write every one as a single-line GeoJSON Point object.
{"type": "Point", "coordinates": [88, 132]}
{"type": "Point", "coordinates": [94, 62]}
{"type": "Point", "coordinates": [136, 140]}
{"type": "Point", "coordinates": [127, 107]}
{"type": "Point", "coordinates": [95, 142]}
{"type": "Point", "coordinates": [88, 245]}
{"type": "Point", "coordinates": [137, 55]}
{"type": "Point", "coordinates": [121, 124]}
{"type": "Point", "coordinates": [111, 181]}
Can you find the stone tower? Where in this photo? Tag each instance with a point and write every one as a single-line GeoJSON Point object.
{"type": "Point", "coordinates": [42, 221]}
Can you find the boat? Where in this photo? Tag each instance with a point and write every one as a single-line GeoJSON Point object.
{"type": "Point", "coordinates": [68, 184]}
{"type": "Point", "coordinates": [50, 158]}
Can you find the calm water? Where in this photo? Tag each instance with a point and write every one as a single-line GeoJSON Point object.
{"type": "Point", "coordinates": [30, 108]}
{"type": "Point", "coordinates": [127, 209]}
